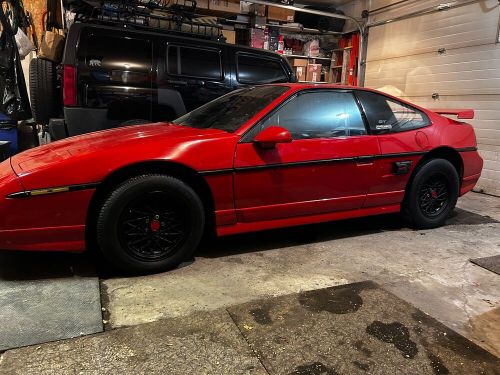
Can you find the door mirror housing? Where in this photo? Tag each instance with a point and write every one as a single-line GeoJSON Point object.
{"type": "Point", "coordinates": [269, 137]}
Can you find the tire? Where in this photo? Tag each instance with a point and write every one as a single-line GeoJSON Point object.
{"type": "Point", "coordinates": [432, 195]}
{"type": "Point", "coordinates": [43, 90]}
{"type": "Point", "coordinates": [150, 223]}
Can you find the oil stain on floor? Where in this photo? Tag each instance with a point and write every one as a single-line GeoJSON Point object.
{"type": "Point", "coordinates": [354, 329]}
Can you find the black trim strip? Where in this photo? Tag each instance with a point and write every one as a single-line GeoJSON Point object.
{"type": "Point", "coordinates": [466, 149]}
{"type": "Point", "coordinates": [357, 159]}
{"type": "Point", "coordinates": [53, 190]}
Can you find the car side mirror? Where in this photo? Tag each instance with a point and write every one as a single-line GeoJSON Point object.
{"type": "Point", "coordinates": [269, 137]}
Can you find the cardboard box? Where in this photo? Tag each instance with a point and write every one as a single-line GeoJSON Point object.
{"type": "Point", "coordinates": [299, 62]}
{"type": "Point", "coordinates": [300, 72]}
{"type": "Point", "coordinates": [252, 9]}
{"type": "Point", "coordinates": [230, 36]}
{"type": "Point", "coordinates": [313, 72]}
{"type": "Point", "coordinates": [201, 4]}
{"type": "Point", "coordinates": [280, 14]}
{"type": "Point", "coordinates": [257, 38]}
{"type": "Point", "coordinates": [224, 6]}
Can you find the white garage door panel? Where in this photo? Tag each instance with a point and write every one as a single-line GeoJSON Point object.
{"type": "Point", "coordinates": [459, 27]}
{"type": "Point", "coordinates": [457, 72]}
{"type": "Point", "coordinates": [413, 6]}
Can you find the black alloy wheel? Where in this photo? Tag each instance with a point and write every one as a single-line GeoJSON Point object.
{"type": "Point", "coordinates": [152, 227]}
{"type": "Point", "coordinates": [432, 194]}
{"type": "Point", "coordinates": [150, 223]}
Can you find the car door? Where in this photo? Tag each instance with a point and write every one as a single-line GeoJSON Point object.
{"type": "Point", "coordinates": [327, 167]}
{"type": "Point", "coordinates": [403, 133]}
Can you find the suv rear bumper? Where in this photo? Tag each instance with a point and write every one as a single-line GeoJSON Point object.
{"type": "Point", "coordinates": [85, 120]}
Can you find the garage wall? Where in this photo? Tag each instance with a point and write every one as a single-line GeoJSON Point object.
{"type": "Point", "coordinates": [403, 60]}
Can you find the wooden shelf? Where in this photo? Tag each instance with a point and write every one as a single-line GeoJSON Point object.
{"type": "Point", "coordinates": [307, 57]}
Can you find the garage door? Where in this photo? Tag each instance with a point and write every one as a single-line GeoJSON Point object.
{"type": "Point", "coordinates": [453, 53]}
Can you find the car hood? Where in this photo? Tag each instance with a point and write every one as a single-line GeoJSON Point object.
{"type": "Point", "coordinates": [166, 134]}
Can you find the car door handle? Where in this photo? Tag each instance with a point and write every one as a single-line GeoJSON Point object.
{"type": "Point", "coordinates": [365, 160]}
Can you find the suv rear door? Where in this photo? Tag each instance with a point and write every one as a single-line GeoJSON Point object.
{"type": "Point", "coordinates": [114, 73]}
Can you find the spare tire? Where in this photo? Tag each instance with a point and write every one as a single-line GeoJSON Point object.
{"type": "Point", "coordinates": [44, 95]}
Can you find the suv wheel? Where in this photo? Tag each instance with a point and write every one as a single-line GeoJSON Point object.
{"type": "Point", "coordinates": [432, 195]}
{"type": "Point", "coordinates": [43, 91]}
{"type": "Point", "coordinates": [150, 223]}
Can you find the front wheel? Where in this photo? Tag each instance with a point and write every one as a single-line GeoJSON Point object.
{"type": "Point", "coordinates": [150, 223]}
{"type": "Point", "coordinates": [432, 195]}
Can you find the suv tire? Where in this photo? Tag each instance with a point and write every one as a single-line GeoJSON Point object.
{"type": "Point", "coordinates": [43, 90]}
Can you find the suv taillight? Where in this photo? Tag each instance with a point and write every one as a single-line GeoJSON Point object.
{"type": "Point", "coordinates": [69, 85]}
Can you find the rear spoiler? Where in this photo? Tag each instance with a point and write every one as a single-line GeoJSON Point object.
{"type": "Point", "coordinates": [465, 114]}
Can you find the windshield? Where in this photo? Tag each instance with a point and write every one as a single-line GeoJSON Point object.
{"type": "Point", "coordinates": [231, 111]}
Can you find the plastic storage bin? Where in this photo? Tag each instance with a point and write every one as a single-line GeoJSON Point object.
{"type": "Point", "coordinates": [8, 132]}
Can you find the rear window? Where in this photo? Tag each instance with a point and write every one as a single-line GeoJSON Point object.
{"type": "Point", "coordinates": [255, 70]}
{"type": "Point", "coordinates": [386, 115]}
{"type": "Point", "coordinates": [122, 54]}
{"type": "Point", "coordinates": [194, 62]}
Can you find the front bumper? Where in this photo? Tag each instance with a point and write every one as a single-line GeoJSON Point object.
{"type": "Point", "coordinates": [53, 222]}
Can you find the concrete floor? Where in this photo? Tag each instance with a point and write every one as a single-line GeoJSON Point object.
{"type": "Point", "coordinates": [350, 329]}
{"type": "Point", "coordinates": [430, 269]}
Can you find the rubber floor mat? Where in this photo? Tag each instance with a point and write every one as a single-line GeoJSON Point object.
{"type": "Point", "coordinates": [490, 263]}
{"type": "Point", "coordinates": [46, 297]}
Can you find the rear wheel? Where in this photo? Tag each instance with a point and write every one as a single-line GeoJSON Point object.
{"type": "Point", "coordinates": [432, 195]}
{"type": "Point", "coordinates": [150, 223]}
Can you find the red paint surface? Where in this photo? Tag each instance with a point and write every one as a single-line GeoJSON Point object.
{"type": "Point", "coordinates": [244, 200]}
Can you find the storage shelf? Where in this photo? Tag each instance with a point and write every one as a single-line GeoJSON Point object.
{"type": "Point", "coordinates": [303, 30]}
{"type": "Point", "coordinates": [307, 57]}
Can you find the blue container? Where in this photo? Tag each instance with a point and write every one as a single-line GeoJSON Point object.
{"type": "Point", "coordinates": [8, 132]}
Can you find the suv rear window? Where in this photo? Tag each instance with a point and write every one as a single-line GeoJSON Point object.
{"type": "Point", "coordinates": [194, 62]}
{"type": "Point", "coordinates": [109, 52]}
{"type": "Point", "coordinates": [253, 69]}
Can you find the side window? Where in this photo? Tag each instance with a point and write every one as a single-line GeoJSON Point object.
{"type": "Point", "coordinates": [389, 116]}
{"type": "Point", "coordinates": [194, 62]}
{"type": "Point", "coordinates": [252, 69]}
{"type": "Point", "coordinates": [118, 55]}
{"type": "Point", "coordinates": [323, 114]}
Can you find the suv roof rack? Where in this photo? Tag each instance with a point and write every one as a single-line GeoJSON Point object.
{"type": "Point", "coordinates": [152, 16]}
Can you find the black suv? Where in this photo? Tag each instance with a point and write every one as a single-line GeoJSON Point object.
{"type": "Point", "coordinates": [112, 76]}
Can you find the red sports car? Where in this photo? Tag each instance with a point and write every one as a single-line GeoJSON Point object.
{"type": "Point", "coordinates": [258, 158]}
